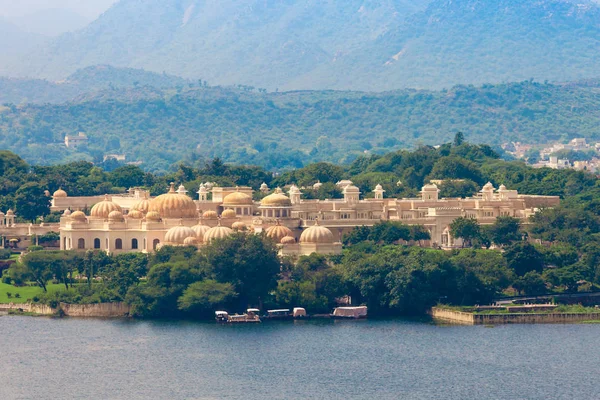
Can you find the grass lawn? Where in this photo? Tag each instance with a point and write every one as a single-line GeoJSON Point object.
{"type": "Point", "coordinates": [26, 292]}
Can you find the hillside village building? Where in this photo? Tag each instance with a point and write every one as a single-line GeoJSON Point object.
{"type": "Point", "coordinates": [135, 222]}
{"type": "Point", "coordinates": [75, 141]}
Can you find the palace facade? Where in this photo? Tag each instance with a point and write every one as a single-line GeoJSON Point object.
{"type": "Point", "coordinates": [136, 222]}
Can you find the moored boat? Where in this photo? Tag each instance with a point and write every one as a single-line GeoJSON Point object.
{"type": "Point", "coordinates": [350, 312]}
{"type": "Point", "coordinates": [283, 313]}
{"type": "Point", "coordinates": [249, 317]}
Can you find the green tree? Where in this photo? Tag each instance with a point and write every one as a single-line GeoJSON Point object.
{"type": "Point", "coordinates": [523, 257]}
{"type": "Point", "coordinates": [505, 231]}
{"type": "Point", "coordinates": [249, 262]}
{"type": "Point", "coordinates": [203, 297]}
{"type": "Point", "coordinates": [465, 228]}
{"type": "Point", "coordinates": [531, 283]}
{"type": "Point", "coordinates": [31, 201]}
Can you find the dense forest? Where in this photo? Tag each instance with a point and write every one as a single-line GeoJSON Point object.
{"type": "Point", "coordinates": [556, 251]}
{"type": "Point", "coordinates": [281, 131]}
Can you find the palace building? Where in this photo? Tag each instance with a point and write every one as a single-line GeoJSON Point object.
{"type": "Point", "coordinates": [136, 222]}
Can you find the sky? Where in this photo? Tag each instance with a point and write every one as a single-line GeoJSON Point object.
{"type": "Point", "coordinates": [87, 8]}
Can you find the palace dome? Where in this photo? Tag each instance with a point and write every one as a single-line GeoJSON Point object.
{"type": "Point", "coordinates": [190, 241]}
{"type": "Point", "coordinates": [276, 200]}
{"type": "Point", "coordinates": [10, 212]}
{"type": "Point", "coordinates": [153, 216]}
{"type": "Point", "coordinates": [317, 234]}
{"type": "Point", "coordinates": [115, 216]}
{"type": "Point", "coordinates": [178, 234]}
{"type": "Point", "coordinates": [60, 193]}
{"type": "Point", "coordinates": [278, 232]}
{"type": "Point", "coordinates": [200, 230]}
{"type": "Point", "coordinates": [236, 199]}
{"type": "Point", "coordinates": [142, 205]}
{"type": "Point", "coordinates": [174, 205]}
{"type": "Point", "coordinates": [78, 216]}
{"type": "Point", "coordinates": [65, 214]}
{"type": "Point", "coordinates": [351, 189]}
{"type": "Point", "coordinates": [135, 214]}
{"type": "Point", "coordinates": [239, 226]}
{"type": "Point", "coordinates": [105, 207]}
{"type": "Point", "coordinates": [288, 240]}
{"type": "Point", "coordinates": [218, 232]}
{"type": "Point", "coordinates": [229, 213]}
{"type": "Point", "coordinates": [210, 215]}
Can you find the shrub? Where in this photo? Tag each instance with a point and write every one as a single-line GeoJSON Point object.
{"type": "Point", "coordinates": [8, 294]}
{"type": "Point", "coordinates": [18, 295]}
{"type": "Point", "coordinates": [5, 254]}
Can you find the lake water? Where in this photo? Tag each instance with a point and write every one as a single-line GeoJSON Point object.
{"type": "Point", "coordinates": [44, 358]}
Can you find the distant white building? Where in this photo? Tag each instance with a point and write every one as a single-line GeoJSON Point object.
{"type": "Point", "coordinates": [74, 142]}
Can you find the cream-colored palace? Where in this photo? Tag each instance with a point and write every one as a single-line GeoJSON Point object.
{"type": "Point", "coordinates": [135, 222]}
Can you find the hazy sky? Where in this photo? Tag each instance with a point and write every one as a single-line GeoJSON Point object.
{"type": "Point", "coordinates": [87, 8]}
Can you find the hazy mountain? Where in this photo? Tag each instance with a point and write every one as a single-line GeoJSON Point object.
{"type": "Point", "coordinates": [15, 44]}
{"type": "Point", "coordinates": [478, 41]}
{"type": "Point", "coordinates": [265, 43]}
{"type": "Point", "coordinates": [354, 44]}
{"type": "Point", "coordinates": [81, 83]}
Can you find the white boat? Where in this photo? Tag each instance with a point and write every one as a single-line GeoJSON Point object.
{"type": "Point", "coordinates": [350, 312]}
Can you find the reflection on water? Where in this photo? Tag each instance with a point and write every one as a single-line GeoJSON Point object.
{"type": "Point", "coordinates": [43, 358]}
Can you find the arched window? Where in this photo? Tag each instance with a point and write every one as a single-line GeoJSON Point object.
{"type": "Point", "coordinates": [96, 243]}
{"type": "Point", "coordinates": [134, 244]}
{"type": "Point", "coordinates": [155, 243]}
{"type": "Point", "coordinates": [119, 244]}
{"type": "Point", "coordinates": [81, 243]}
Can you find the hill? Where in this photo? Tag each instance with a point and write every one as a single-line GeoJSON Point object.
{"type": "Point", "coordinates": [289, 129]}
{"type": "Point", "coordinates": [80, 83]}
{"type": "Point", "coordinates": [357, 44]}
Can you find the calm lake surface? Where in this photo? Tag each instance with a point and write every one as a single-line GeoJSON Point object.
{"type": "Point", "coordinates": [44, 358]}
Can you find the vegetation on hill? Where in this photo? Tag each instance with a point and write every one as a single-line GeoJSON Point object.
{"type": "Point", "coordinates": [82, 82]}
{"type": "Point", "coordinates": [279, 131]}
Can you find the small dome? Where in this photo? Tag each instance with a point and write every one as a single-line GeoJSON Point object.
{"type": "Point", "coordinates": [78, 216]}
{"type": "Point", "coordinates": [10, 212]}
{"type": "Point", "coordinates": [502, 188]}
{"type": "Point", "coordinates": [317, 185]}
{"type": "Point", "coordinates": [1, 213]}
{"type": "Point", "coordinates": [236, 199]}
{"type": "Point", "coordinates": [142, 205]}
{"type": "Point", "coordinates": [105, 207]}
{"type": "Point", "coordinates": [200, 230]}
{"type": "Point", "coordinates": [351, 189]}
{"type": "Point", "coordinates": [115, 216]}
{"type": "Point", "coordinates": [181, 189]}
{"type": "Point", "coordinates": [178, 234]}
{"type": "Point", "coordinates": [190, 241]}
{"type": "Point", "coordinates": [174, 205]}
{"type": "Point", "coordinates": [488, 186]}
{"type": "Point", "coordinates": [229, 213]}
{"type": "Point", "coordinates": [294, 189]}
{"type": "Point", "coordinates": [344, 183]}
{"type": "Point", "coordinates": [153, 216]}
{"type": "Point", "coordinates": [430, 186]}
{"type": "Point", "coordinates": [239, 226]}
{"type": "Point", "coordinates": [210, 215]}
{"type": "Point", "coordinates": [65, 214]}
{"type": "Point", "coordinates": [288, 240]}
{"type": "Point", "coordinates": [218, 232]}
{"type": "Point", "coordinates": [60, 193]}
{"type": "Point", "coordinates": [276, 200]}
{"type": "Point", "coordinates": [135, 214]}
{"type": "Point", "coordinates": [378, 187]}
{"type": "Point", "coordinates": [278, 232]}
{"type": "Point", "coordinates": [317, 234]}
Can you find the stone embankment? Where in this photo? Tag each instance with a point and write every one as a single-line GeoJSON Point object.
{"type": "Point", "coordinates": [469, 318]}
{"type": "Point", "coordinates": [103, 310]}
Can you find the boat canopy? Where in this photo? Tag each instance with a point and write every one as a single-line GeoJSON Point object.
{"type": "Point", "coordinates": [286, 310]}
{"type": "Point", "coordinates": [254, 310]}
{"type": "Point", "coordinates": [221, 313]}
